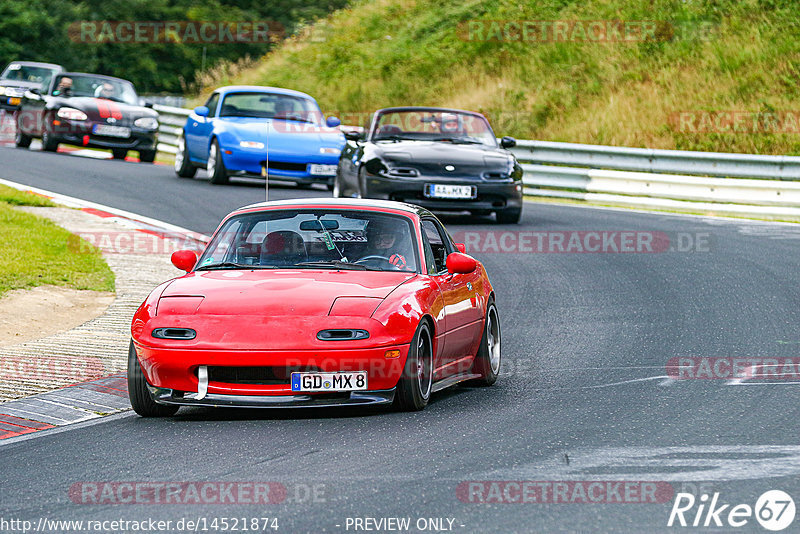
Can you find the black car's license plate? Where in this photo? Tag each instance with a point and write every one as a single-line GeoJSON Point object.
{"type": "Point", "coordinates": [450, 191]}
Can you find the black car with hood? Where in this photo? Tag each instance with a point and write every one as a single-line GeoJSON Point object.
{"type": "Point", "coordinates": [88, 110]}
{"type": "Point", "coordinates": [21, 76]}
{"type": "Point", "coordinates": [441, 159]}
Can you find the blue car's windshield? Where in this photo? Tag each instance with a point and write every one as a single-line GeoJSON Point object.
{"type": "Point", "coordinates": [270, 106]}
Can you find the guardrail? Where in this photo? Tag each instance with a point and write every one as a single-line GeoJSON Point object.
{"type": "Point", "coordinates": [744, 184]}
{"type": "Point", "coordinates": [170, 124]}
{"type": "Point", "coordinates": [703, 181]}
{"type": "Point", "coordinates": [659, 161]}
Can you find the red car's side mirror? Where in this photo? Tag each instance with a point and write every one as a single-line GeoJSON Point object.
{"type": "Point", "coordinates": [461, 248]}
{"type": "Point", "coordinates": [458, 263]}
{"type": "Point", "coordinates": [184, 259]}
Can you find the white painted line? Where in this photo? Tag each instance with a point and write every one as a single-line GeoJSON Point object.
{"type": "Point", "coordinates": [109, 409]}
{"type": "Point", "coordinates": [770, 383]}
{"type": "Point", "coordinates": [73, 202]}
{"type": "Point", "coordinates": [736, 220]}
{"type": "Point", "coordinates": [625, 382]}
{"type": "Point", "coordinates": [33, 416]}
{"type": "Point", "coordinates": [69, 407]}
{"type": "Point", "coordinates": [65, 428]}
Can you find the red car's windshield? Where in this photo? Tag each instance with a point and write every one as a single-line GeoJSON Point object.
{"type": "Point", "coordinates": [314, 238]}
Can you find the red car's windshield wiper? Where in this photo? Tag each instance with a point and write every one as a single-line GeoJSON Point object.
{"type": "Point", "coordinates": [231, 265]}
{"type": "Point", "coordinates": [338, 264]}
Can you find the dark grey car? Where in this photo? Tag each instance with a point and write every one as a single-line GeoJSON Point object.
{"type": "Point", "coordinates": [441, 159]}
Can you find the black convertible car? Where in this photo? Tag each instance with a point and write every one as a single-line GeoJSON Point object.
{"type": "Point", "coordinates": [21, 76]}
{"type": "Point", "coordinates": [441, 159]}
{"type": "Point", "coordinates": [88, 110]}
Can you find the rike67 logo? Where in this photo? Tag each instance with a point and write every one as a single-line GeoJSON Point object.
{"type": "Point", "coordinates": [774, 510]}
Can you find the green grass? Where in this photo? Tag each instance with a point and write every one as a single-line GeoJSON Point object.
{"type": "Point", "coordinates": [15, 197]}
{"type": "Point", "coordinates": [38, 252]}
{"type": "Point", "coordinates": [707, 56]}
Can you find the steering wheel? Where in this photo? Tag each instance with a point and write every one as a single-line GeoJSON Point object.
{"type": "Point", "coordinates": [376, 258]}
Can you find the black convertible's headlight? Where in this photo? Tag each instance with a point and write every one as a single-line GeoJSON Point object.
{"type": "Point", "coordinates": [71, 114]}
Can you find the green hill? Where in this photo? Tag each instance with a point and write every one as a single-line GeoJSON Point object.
{"type": "Point", "coordinates": [716, 75]}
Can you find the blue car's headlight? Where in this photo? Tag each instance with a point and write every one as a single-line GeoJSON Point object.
{"type": "Point", "coordinates": [251, 144]}
{"type": "Point", "coordinates": [330, 151]}
{"type": "Point", "coordinates": [147, 123]}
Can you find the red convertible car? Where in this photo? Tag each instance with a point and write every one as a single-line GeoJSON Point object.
{"type": "Point", "coordinates": [311, 303]}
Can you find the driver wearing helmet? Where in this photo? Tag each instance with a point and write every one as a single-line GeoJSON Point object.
{"type": "Point", "coordinates": [389, 241]}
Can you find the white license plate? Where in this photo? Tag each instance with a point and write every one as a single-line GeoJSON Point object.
{"type": "Point", "coordinates": [322, 170]}
{"type": "Point", "coordinates": [111, 131]}
{"type": "Point", "coordinates": [449, 191]}
{"type": "Point", "coordinates": [355, 381]}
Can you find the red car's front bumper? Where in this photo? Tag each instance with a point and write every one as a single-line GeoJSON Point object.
{"type": "Point", "coordinates": [263, 378]}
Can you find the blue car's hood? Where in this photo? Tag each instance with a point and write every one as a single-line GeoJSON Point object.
{"type": "Point", "coordinates": [283, 133]}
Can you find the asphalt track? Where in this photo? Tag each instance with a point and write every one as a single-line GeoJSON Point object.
{"type": "Point", "coordinates": [583, 393]}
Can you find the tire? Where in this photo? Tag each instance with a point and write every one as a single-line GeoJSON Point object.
{"type": "Point", "coordinates": [415, 385]}
{"type": "Point", "coordinates": [487, 360]}
{"type": "Point", "coordinates": [119, 153]}
{"type": "Point", "coordinates": [183, 167]}
{"type": "Point", "coordinates": [215, 167]}
{"type": "Point", "coordinates": [509, 216]}
{"type": "Point", "coordinates": [147, 156]}
{"type": "Point", "coordinates": [49, 141]}
{"type": "Point", "coordinates": [141, 401]}
{"type": "Point", "coordinates": [305, 185]}
{"type": "Point", "coordinates": [329, 185]}
{"type": "Point", "coordinates": [20, 139]}
{"type": "Point", "coordinates": [337, 187]}
{"type": "Point", "coordinates": [362, 184]}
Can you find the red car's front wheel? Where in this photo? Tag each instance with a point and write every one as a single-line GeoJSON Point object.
{"type": "Point", "coordinates": [141, 401]}
{"type": "Point", "coordinates": [487, 361]}
{"type": "Point", "coordinates": [414, 387]}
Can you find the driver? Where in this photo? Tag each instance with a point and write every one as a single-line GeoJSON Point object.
{"type": "Point", "coordinates": [105, 91]}
{"type": "Point", "coordinates": [64, 87]}
{"type": "Point", "coordinates": [389, 241]}
{"type": "Point", "coordinates": [283, 108]}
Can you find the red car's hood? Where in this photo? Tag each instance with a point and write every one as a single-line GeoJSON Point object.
{"type": "Point", "coordinates": [277, 292]}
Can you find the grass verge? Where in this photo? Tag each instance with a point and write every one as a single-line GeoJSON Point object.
{"type": "Point", "coordinates": [674, 88]}
{"type": "Point", "coordinates": [38, 252]}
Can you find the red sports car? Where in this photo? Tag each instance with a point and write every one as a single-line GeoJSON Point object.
{"type": "Point", "coordinates": [311, 303]}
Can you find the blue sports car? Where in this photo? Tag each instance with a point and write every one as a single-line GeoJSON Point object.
{"type": "Point", "coordinates": [251, 130]}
